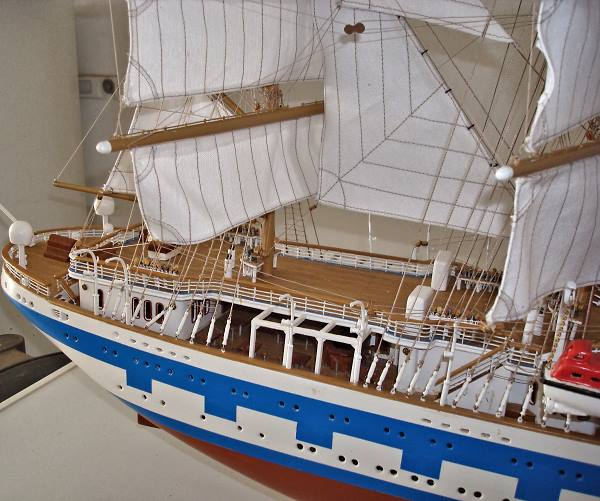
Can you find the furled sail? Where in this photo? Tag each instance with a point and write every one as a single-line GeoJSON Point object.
{"type": "Point", "coordinates": [469, 16]}
{"type": "Point", "coordinates": [395, 142]}
{"type": "Point", "coordinates": [569, 37]}
{"type": "Point", "coordinates": [157, 115]}
{"type": "Point", "coordinates": [194, 189]}
{"type": "Point", "coordinates": [555, 237]}
{"type": "Point", "coordinates": [209, 46]}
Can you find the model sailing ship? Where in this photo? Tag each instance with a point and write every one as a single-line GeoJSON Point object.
{"type": "Point", "coordinates": [340, 371]}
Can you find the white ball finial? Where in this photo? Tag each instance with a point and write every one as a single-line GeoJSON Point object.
{"type": "Point", "coordinates": [104, 206]}
{"type": "Point", "coordinates": [104, 147]}
{"type": "Point", "coordinates": [20, 233]}
{"type": "Point", "coordinates": [504, 173]}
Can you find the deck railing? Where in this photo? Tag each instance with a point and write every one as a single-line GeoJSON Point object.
{"type": "Point", "coordinates": [353, 260]}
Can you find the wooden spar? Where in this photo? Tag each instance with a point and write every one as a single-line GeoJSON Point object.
{"type": "Point", "coordinates": [208, 127]}
{"type": "Point", "coordinates": [526, 166]}
{"type": "Point", "coordinates": [229, 103]}
{"type": "Point", "coordinates": [94, 191]}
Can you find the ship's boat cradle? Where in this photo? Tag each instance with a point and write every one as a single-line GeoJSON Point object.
{"type": "Point", "coordinates": [318, 424]}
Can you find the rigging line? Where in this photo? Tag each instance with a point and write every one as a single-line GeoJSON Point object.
{"type": "Point", "coordinates": [118, 86]}
{"type": "Point", "coordinates": [7, 213]}
{"type": "Point", "coordinates": [112, 28]}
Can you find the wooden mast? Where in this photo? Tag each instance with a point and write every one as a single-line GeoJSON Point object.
{"type": "Point", "coordinates": [209, 127]}
{"type": "Point", "coordinates": [526, 166]}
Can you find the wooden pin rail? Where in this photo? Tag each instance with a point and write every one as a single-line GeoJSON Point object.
{"type": "Point", "coordinates": [99, 192]}
{"type": "Point", "coordinates": [209, 127]}
{"type": "Point", "coordinates": [526, 166]}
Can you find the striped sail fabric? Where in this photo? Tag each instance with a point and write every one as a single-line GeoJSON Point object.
{"type": "Point", "coordinates": [555, 237]}
{"type": "Point", "coordinates": [569, 37]}
{"type": "Point", "coordinates": [208, 46]}
{"type": "Point", "coordinates": [469, 16]}
{"type": "Point", "coordinates": [395, 142]}
{"type": "Point", "coordinates": [195, 189]}
{"type": "Point", "coordinates": [157, 115]}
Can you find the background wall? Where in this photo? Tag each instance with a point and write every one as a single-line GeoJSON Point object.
{"type": "Point", "coordinates": [39, 126]}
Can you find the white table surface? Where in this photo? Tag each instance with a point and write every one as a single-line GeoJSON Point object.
{"type": "Point", "coordinates": [71, 440]}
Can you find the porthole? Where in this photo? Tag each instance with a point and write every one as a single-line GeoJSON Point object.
{"type": "Point", "coordinates": [146, 363]}
{"type": "Point", "coordinates": [281, 403]}
{"type": "Point", "coordinates": [401, 434]}
{"type": "Point", "coordinates": [393, 472]}
{"type": "Point", "coordinates": [379, 468]}
{"type": "Point", "coordinates": [562, 472]}
{"type": "Point", "coordinates": [172, 353]}
{"type": "Point", "coordinates": [245, 394]}
{"type": "Point", "coordinates": [347, 420]}
{"type": "Point", "coordinates": [414, 478]}
{"type": "Point", "coordinates": [312, 449]}
{"type": "Point", "coordinates": [185, 357]}
{"type": "Point", "coordinates": [331, 417]}
{"type": "Point", "coordinates": [170, 372]}
{"type": "Point", "coordinates": [145, 397]}
{"type": "Point", "coordinates": [190, 377]}
{"type": "Point", "coordinates": [115, 353]}
{"type": "Point", "coordinates": [425, 420]}
{"type": "Point", "coordinates": [84, 287]}
{"type": "Point", "coordinates": [485, 435]}
{"type": "Point", "coordinates": [159, 349]}
{"type": "Point", "coordinates": [296, 407]}
{"type": "Point", "coordinates": [31, 304]}
{"type": "Point", "coordinates": [430, 482]}
{"type": "Point", "coordinates": [120, 387]}
{"type": "Point", "coordinates": [157, 367]}
{"type": "Point", "coordinates": [233, 391]}
{"type": "Point", "coordinates": [104, 349]}
{"type": "Point", "coordinates": [513, 460]}
{"type": "Point", "coordinates": [505, 439]}
{"type": "Point", "coordinates": [445, 425]}
{"type": "Point", "coordinates": [477, 494]}
{"type": "Point", "coordinates": [261, 435]}
{"type": "Point", "coordinates": [341, 459]}
{"type": "Point", "coordinates": [432, 441]}
{"type": "Point", "coordinates": [133, 341]}
{"type": "Point", "coordinates": [239, 428]}
{"type": "Point", "coordinates": [449, 446]}
{"type": "Point", "coordinates": [465, 430]}
{"type": "Point", "coordinates": [461, 490]}
{"type": "Point", "coordinates": [355, 462]}
{"type": "Point", "coordinates": [163, 403]}
{"type": "Point", "coordinates": [386, 430]}
{"type": "Point", "coordinates": [66, 335]}
{"type": "Point", "coordinates": [76, 339]}
{"type": "Point", "coordinates": [578, 476]}
{"type": "Point", "coordinates": [529, 464]}
{"type": "Point", "coordinates": [203, 417]}
{"type": "Point", "coordinates": [299, 446]}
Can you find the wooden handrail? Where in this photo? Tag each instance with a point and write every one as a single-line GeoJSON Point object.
{"type": "Point", "coordinates": [209, 127]}
{"type": "Point", "coordinates": [526, 166]}
{"type": "Point", "coordinates": [472, 363]}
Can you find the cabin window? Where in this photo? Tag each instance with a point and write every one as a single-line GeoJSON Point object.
{"type": "Point", "coordinates": [135, 301]}
{"type": "Point", "coordinates": [575, 374]}
{"type": "Point", "coordinates": [159, 308]}
{"type": "Point", "coordinates": [147, 310]}
{"type": "Point", "coordinates": [197, 310]}
{"type": "Point", "coordinates": [100, 298]}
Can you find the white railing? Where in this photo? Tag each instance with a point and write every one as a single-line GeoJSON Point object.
{"type": "Point", "coordinates": [346, 258]}
{"type": "Point", "coordinates": [26, 281]}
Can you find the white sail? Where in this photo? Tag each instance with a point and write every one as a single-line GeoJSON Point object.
{"type": "Point", "coordinates": [569, 37]}
{"type": "Point", "coordinates": [555, 237]}
{"type": "Point", "coordinates": [469, 16]}
{"type": "Point", "coordinates": [194, 189]}
{"type": "Point", "coordinates": [157, 115]}
{"type": "Point", "coordinates": [395, 142]}
{"type": "Point", "coordinates": [208, 46]}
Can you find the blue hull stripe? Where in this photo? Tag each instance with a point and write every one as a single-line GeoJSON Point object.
{"type": "Point", "coordinates": [540, 476]}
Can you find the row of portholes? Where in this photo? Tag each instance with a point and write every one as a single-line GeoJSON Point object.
{"type": "Point", "coordinates": [312, 448]}
{"type": "Point", "coordinates": [241, 428]}
{"type": "Point", "coordinates": [245, 394]}
{"type": "Point", "coordinates": [476, 494]}
{"type": "Point", "coordinates": [144, 396]}
{"type": "Point", "coordinates": [74, 338]}
{"type": "Point", "coordinates": [346, 418]}
{"type": "Point", "coordinates": [23, 299]}
{"type": "Point", "coordinates": [561, 472]}
{"type": "Point", "coordinates": [158, 348]}
{"type": "Point", "coordinates": [466, 431]}
{"type": "Point", "coordinates": [295, 407]}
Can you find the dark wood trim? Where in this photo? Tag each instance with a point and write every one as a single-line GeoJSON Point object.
{"type": "Point", "coordinates": [99, 192]}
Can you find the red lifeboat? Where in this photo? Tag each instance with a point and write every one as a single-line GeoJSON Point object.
{"type": "Point", "coordinates": [578, 365]}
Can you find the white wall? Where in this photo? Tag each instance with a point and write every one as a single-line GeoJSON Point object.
{"type": "Point", "coordinates": [39, 126]}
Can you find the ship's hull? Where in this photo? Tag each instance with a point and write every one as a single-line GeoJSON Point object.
{"type": "Point", "coordinates": [386, 445]}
